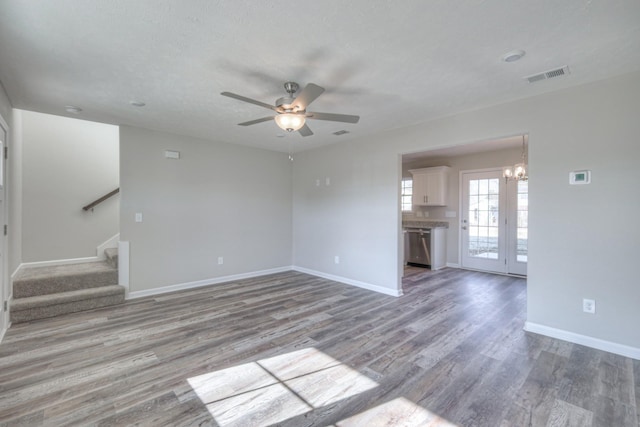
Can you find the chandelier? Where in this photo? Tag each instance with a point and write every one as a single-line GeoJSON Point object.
{"type": "Point", "coordinates": [518, 171]}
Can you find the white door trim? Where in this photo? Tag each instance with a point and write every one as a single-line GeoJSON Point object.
{"type": "Point", "coordinates": [5, 283]}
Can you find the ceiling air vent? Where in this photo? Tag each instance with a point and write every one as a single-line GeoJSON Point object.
{"type": "Point", "coordinates": [341, 132]}
{"type": "Point", "coordinates": [548, 74]}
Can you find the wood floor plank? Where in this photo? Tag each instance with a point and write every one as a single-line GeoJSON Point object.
{"type": "Point", "coordinates": [451, 351]}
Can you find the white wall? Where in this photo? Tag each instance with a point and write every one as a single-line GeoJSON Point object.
{"type": "Point", "coordinates": [67, 163]}
{"type": "Point", "coordinates": [493, 159]}
{"type": "Point", "coordinates": [216, 200]}
{"type": "Point", "coordinates": [354, 217]}
{"type": "Point", "coordinates": [577, 249]}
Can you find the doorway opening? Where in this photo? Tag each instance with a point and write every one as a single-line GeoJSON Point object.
{"type": "Point", "coordinates": [499, 217]}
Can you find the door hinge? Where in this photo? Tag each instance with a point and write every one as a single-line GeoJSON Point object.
{"type": "Point", "coordinates": [505, 261]}
{"type": "Point", "coordinates": [5, 306]}
{"type": "Point", "coordinates": [5, 229]}
{"type": "Point", "coordinates": [6, 152]}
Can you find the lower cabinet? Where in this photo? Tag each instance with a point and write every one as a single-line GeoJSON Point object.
{"type": "Point", "coordinates": [438, 248]}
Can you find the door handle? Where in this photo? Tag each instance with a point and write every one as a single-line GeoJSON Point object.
{"type": "Point", "coordinates": [464, 227]}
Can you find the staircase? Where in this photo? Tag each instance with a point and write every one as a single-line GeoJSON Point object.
{"type": "Point", "coordinates": [43, 292]}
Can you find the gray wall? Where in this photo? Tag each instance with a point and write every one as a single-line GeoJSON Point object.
{"type": "Point", "coordinates": [67, 163]}
{"type": "Point", "coordinates": [493, 159]}
{"type": "Point", "coordinates": [576, 250]}
{"type": "Point", "coordinates": [216, 200]}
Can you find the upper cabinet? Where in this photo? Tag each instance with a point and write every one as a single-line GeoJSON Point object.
{"type": "Point", "coordinates": [430, 186]}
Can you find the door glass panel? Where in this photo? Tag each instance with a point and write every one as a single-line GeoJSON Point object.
{"type": "Point", "coordinates": [523, 221]}
{"type": "Point", "coordinates": [483, 218]}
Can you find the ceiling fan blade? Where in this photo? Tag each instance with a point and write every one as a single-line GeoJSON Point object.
{"type": "Point", "coordinates": [307, 96]}
{"type": "Point", "coordinates": [305, 131]}
{"type": "Point", "coordinates": [249, 100]}
{"type": "Point", "coordinates": [253, 122]}
{"type": "Point", "coordinates": [345, 118]}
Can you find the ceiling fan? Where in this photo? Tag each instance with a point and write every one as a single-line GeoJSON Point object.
{"type": "Point", "coordinates": [292, 111]}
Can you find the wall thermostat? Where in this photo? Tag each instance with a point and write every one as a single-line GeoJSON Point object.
{"type": "Point", "coordinates": [580, 177]}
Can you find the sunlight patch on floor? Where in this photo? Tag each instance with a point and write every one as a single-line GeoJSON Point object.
{"type": "Point", "coordinates": [398, 412]}
{"type": "Point", "coordinates": [272, 390]}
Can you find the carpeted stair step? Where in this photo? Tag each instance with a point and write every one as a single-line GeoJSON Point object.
{"type": "Point", "coordinates": [51, 305]}
{"type": "Point", "coordinates": [112, 257]}
{"type": "Point", "coordinates": [36, 281]}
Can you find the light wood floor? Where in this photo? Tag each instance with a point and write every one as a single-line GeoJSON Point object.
{"type": "Point", "coordinates": [296, 350]}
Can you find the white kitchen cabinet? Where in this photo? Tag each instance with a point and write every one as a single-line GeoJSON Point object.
{"type": "Point", "coordinates": [430, 186]}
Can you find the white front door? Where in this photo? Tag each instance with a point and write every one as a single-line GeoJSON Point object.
{"type": "Point", "coordinates": [517, 227]}
{"type": "Point", "coordinates": [494, 223]}
{"type": "Point", "coordinates": [483, 221]}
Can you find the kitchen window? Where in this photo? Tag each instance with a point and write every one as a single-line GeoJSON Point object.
{"type": "Point", "coordinates": [406, 194]}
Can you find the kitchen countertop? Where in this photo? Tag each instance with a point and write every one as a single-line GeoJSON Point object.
{"type": "Point", "coordinates": [425, 224]}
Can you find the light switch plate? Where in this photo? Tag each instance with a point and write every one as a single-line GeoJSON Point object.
{"type": "Point", "coordinates": [138, 216]}
{"type": "Point", "coordinates": [170, 154]}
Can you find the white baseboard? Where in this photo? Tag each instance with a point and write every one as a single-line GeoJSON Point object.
{"type": "Point", "coordinates": [611, 347]}
{"type": "Point", "coordinates": [375, 288]}
{"type": "Point", "coordinates": [123, 264]}
{"type": "Point", "coordinates": [205, 282]}
{"type": "Point", "coordinates": [453, 265]}
{"type": "Point", "coordinates": [56, 262]}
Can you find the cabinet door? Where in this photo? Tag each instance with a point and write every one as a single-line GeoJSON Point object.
{"type": "Point", "coordinates": [435, 191]}
{"type": "Point", "coordinates": [419, 197]}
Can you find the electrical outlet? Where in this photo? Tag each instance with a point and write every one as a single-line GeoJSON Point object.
{"type": "Point", "coordinates": [589, 306]}
{"type": "Point", "coordinates": [220, 260]}
{"type": "Point", "coordinates": [336, 259]}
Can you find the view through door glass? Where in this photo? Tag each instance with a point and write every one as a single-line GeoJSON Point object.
{"type": "Point", "coordinates": [484, 218]}
{"type": "Point", "coordinates": [522, 224]}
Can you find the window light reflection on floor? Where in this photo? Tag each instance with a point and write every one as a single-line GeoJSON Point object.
{"type": "Point", "coordinates": [272, 390]}
{"type": "Point", "coordinates": [397, 412]}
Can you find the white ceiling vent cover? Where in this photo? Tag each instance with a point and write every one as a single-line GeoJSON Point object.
{"type": "Point", "coordinates": [548, 74]}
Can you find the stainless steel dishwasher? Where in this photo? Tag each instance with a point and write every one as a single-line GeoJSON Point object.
{"type": "Point", "coordinates": [418, 246]}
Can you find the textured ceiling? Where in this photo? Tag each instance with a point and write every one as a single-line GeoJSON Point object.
{"type": "Point", "coordinates": [393, 63]}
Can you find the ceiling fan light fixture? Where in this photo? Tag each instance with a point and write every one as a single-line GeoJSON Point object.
{"type": "Point", "coordinates": [290, 122]}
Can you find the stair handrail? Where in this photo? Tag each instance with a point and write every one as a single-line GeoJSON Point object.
{"type": "Point", "coordinates": [101, 199]}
